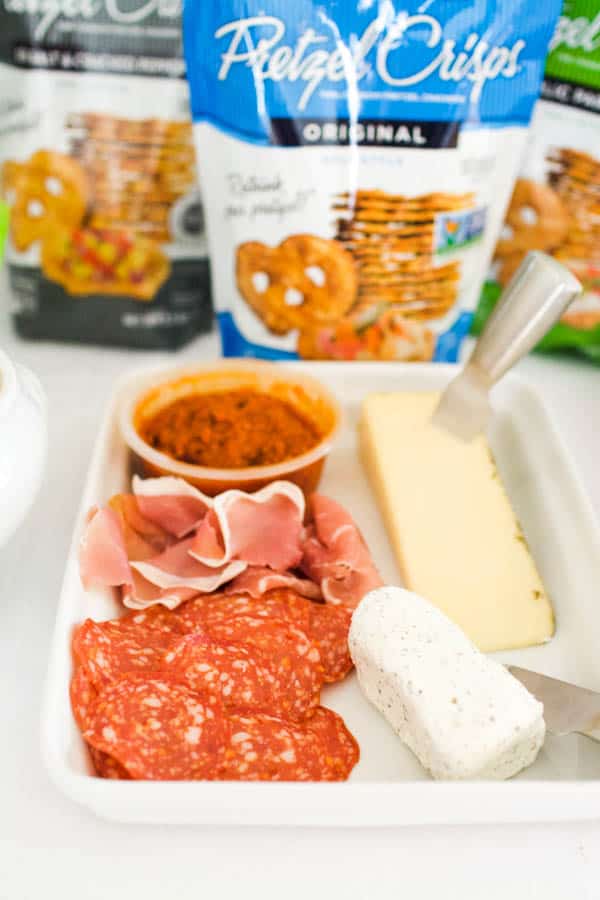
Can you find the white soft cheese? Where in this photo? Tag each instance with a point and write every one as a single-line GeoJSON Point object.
{"type": "Point", "coordinates": [462, 714]}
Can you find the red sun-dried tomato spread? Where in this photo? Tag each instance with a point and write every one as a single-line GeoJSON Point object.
{"type": "Point", "coordinates": [230, 430]}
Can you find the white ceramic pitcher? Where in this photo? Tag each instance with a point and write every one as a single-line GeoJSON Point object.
{"type": "Point", "coordinates": [23, 442]}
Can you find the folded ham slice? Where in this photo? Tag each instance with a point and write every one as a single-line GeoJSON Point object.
{"type": "Point", "coordinates": [264, 529]}
{"type": "Point", "coordinates": [257, 580]}
{"type": "Point", "coordinates": [142, 538]}
{"type": "Point", "coordinates": [142, 594]}
{"type": "Point", "coordinates": [175, 567]}
{"type": "Point", "coordinates": [168, 543]}
{"type": "Point", "coordinates": [171, 503]}
{"type": "Point", "coordinates": [336, 555]}
{"type": "Point", "coordinates": [102, 555]}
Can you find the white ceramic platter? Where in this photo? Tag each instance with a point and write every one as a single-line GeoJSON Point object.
{"type": "Point", "coordinates": [387, 787]}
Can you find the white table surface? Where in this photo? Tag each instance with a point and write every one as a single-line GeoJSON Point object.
{"type": "Point", "coordinates": [50, 847]}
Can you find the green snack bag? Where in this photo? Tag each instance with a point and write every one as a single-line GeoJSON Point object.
{"type": "Point", "coordinates": [555, 206]}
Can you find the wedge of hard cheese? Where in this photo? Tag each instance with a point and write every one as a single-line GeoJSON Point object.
{"type": "Point", "coordinates": [462, 714]}
{"type": "Point", "coordinates": [455, 535]}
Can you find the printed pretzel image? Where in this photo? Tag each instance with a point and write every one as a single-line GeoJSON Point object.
{"type": "Point", "coordinates": [47, 189]}
{"type": "Point", "coordinates": [87, 261]}
{"type": "Point", "coordinates": [303, 281]}
{"type": "Point", "coordinates": [536, 219]}
{"type": "Point", "coordinates": [561, 217]}
{"type": "Point", "coordinates": [371, 332]}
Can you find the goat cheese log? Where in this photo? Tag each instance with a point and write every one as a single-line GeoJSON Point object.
{"type": "Point", "coordinates": [462, 714]}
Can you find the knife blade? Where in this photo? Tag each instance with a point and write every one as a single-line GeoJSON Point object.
{"type": "Point", "coordinates": [568, 708]}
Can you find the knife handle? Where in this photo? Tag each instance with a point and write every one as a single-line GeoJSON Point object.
{"type": "Point", "coordinates": [533, 301]}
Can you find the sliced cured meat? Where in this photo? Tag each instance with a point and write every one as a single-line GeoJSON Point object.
{"type": "Point", "coordinates": [329, 627]}
{"type": "Point", "coordinates": [290, 661]}
{"type": "Point", "coordinates": [263, 529]}
{"type": "Point", "coordinates": [341, 749]}
{"type": "Point", "coordinates": [109, 650]}
{"type": "Point", "coordinates": [257, 580]}
{"type": "Point", "coordinates": [324, 624]}
{"type": "Point", "coordinates": [156, 729]}
{"type": "Point", "coordinates": [112, 537]}
{"type": "Point", "coordinates": [142, 594]}
{"type": "Point", "coordinates": [219, 607]}
{"type": "Point", "coordinates": [83, 694]}
{"type": "Point", "coordinates": [230, 670]}
{"type": "Point", "coordinates": [261, 747]}
{"type": "Point", "coordinates": [171, 503]}
{"type": "Point", "coordinates": [265, 748]}
{"type": "Point", "coordinates": [102, 553]}
{"type": "Point", "coordinates": [336, 556]}
{"type": "Point", "coordinates": [143, 538]}
{"type": "Point", "coordinates": [107, 766]}
{"type": "Point", "coordinates": [214, 609]}
{"type": "Point", "coordinates": [156, 618]}
{"type": "Point", "coordinates": [176, 568]}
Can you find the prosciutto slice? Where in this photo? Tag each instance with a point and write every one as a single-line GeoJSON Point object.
{"type": "Point", "coordinates": [142, 538]}
{"type": "Point", "coordinates": [175, 567]}
{"type": "Point", "coordinates": [142, 594]}
{"type": "Point", "coordinates": [257, 580]}
{"type": "Point", "coordinates": [263, 529]}
{"type": "Point", "coordinates": [168, 543]}
{"type": "Point", "coordinates": [336, 555]}
{"type": "Point", "coordinates": [171, 503]}
{"type": "Point", "coordinates": [102, 555]}
{"type": "Point", "coordinates": [136, 542]}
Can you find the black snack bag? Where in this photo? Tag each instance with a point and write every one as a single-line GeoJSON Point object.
{"type": "Point", "coordinates": [97, 165]}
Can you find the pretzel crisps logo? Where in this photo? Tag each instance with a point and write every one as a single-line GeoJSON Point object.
{"type": "Point", "coordinates": [257, 43]}
{"type": "Point", "coordinates": [579, 33]}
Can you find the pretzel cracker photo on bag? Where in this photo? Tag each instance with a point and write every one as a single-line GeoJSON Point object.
{"type": "Point", "coordinates": [355, 162]}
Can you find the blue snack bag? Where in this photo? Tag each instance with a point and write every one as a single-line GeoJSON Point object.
{"type": "Point", "coordinates": [356, 161]}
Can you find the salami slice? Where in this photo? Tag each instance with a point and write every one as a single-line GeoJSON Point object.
{"type": "Point", "coordinates": [156, 618]}
{"type": "Point", "coordinates": [323, 623]}
{"type": "Point", "coordinates": [290, 661]}
{"type": "Point", "coordinates": [341, 749]}
{"type": "Point", "coordinates": [107, 766]}
{"type": "Point", "coordinates": [276, 604]}
{"type": "Point", "coordinates": [114, 648]}
{"type": "Point", "coordinates": [230, 670]}
{"type": "Point", "coordinates": [83, 694]}
{"type": "Point", "coordinates": [264, 748]}
{"type": "Point", "coordinates": [329, 626]}
{"type": "Point", "coordinates": [158, 730]}
{"type": "Point", "coordinates": [217, 607]}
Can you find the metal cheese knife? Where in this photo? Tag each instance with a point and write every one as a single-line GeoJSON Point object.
{"type": "Point", "coordinates": [567, 708]}
{"type": "Point", "coordinates": [534, 300]}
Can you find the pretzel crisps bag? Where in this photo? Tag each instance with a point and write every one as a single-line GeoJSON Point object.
{"type": "Point", "coordinates": [555, 206]}
{"type": "Point", "coordinates": [97, 165]}
{"type": "Point", "coordinates": [356, 159]}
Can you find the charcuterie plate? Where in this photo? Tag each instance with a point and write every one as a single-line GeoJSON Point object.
{"type": "Point", "coordinates": [388, 786]}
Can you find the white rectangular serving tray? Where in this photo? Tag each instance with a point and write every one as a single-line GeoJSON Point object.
{"type": "Point", "coordinates": [388, 786]}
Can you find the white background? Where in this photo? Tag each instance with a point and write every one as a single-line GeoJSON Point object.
{"type": "Point", "coordinates": [51, 848]}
